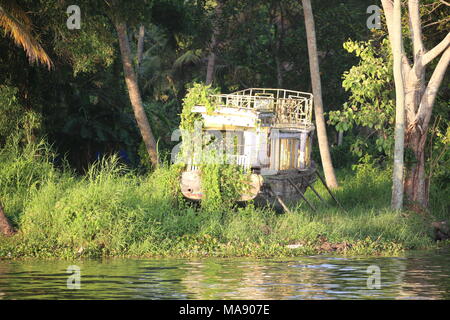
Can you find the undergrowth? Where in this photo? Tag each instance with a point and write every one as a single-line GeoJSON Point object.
{"type": "Point", "coordinates": [112, 211]}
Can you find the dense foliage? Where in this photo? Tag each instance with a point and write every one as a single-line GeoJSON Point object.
{"type": "Point", "coordinates": [93, 191]}
{"type": "Point", "coordinates": [112, 211]}
{"type": "Point", "coordinates": [83, 102]}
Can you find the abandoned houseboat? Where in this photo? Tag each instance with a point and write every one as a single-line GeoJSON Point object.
{"type": "Point", "coordinates": [270, 134]}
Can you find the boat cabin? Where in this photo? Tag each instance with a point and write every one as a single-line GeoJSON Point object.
{"type": "Point", "coordinates": [265, 130]}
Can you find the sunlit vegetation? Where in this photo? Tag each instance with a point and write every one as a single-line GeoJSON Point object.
{"type": "Point", "coordinates": [76, 179]}
{"type": "Point", "coordinates": [112, 211]}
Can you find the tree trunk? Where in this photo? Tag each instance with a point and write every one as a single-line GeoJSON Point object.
{"type": "Point", "coordinates": [397, 179]}
{"type": "Point", "coordinates": [416, 184]}
{"type": "Point", "coordinates": [5, 226]}
{"type": "Point", "coordinates": [419, 97]}
{"type": "Point", "coordinates": [140, 49]}
{"type": "Point", "coordinates": [211, 62]}
{"type": "Point", "coordinates": [279, 36]}
{"type": "Point", "coordinates": [340, 138]}
{"type": "Point", "coordinates": [317, 92]}
{"type": "Point", "coordinates": [279, 72]}
{"type": "Point", "coordinates": [210, 68]}
{"type": "Point", "coordinates": [134, 94]}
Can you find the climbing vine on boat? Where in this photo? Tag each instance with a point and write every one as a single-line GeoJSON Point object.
{"type": "Point", "coordinates": [198, 95]}
{"type": "Point", "coordinates": [222, 185]}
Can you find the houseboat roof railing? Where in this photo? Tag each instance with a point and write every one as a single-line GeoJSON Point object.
{"type": "Point", "coordinates": [275, 93]}
{"type": "Point", "coordinates": [289, 107]}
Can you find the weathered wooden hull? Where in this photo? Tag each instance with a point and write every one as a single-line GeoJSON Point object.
{"type": "Point", "coordinates": [262, 187]}
{"type": "Point", "coordinates": [282, 185]}
{"type": "Point", "coordinates": [191, 186]}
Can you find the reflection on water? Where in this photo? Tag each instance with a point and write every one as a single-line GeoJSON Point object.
{"type": "Point", "coordinates": [421, 275]}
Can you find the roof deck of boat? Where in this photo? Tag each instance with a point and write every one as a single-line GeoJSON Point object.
{"type": "Point", "coordinates": [276, 108]}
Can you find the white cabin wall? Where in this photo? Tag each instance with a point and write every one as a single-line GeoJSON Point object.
{"type": "Point", "coordinates": [262, 160]}
{"type": "Point", "coordinates": [250, 146]}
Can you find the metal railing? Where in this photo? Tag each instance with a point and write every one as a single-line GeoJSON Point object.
{"type": "Point", "coordinates": [275, 93]}
{"type": "Point", "coordinates": [289, 107]}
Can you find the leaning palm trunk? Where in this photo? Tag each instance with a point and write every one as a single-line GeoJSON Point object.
{"type": "Point", "coordinates": [327, 164]}
{"type": "Point", "coordinates": [134, 94]}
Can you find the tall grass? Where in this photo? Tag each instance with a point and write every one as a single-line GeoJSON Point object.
{"type": "Point", "coordinates": [111, 211]}
{"type": "Point", "coordinates": [23, 170]}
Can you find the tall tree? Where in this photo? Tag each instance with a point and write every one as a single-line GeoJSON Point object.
{"type": "Point", "coordinates": [317, 92]}
{"type": "Point", "coordinates": [119, 18]}
{"type": "Point", "coordinates": [277, 17]}
{"type": "Point", "coordinates": [210, 68]}
{"type": "Point", "coordinates": [134, 93]}
{"type": "Point", "coordinates": [140, 48]}
{"type": "Point", "coordinates": [397, 187]}
{"type": "Point", "coordinates": [419, 96]}
{"type": "Point", "coordinates": [16, 23]}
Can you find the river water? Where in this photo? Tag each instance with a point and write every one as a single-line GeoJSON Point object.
{"type": "Point", "coordinates": [419, 275]}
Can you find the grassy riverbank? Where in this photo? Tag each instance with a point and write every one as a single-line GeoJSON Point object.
{"type": "Point", "coordinates": [114, 212]}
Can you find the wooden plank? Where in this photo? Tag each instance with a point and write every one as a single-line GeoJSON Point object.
{"type": "Point", "coordinates": [280, 201]}
{"type": "Point", "coordinates": [301, 194]}
{"type": "Point", "coordinates": [317, 194]}
{"type": "Point", "coordinates": [329, 191]}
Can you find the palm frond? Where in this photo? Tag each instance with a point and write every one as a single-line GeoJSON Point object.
{"type": "Point", "coordinates": [190, 56]}
{"type": "Point", "coordinates": [17, 24]}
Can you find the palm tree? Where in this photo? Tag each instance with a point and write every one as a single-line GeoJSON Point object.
{"type": "Point", "coordinates": [212, 55]}
{"type": "Point", "coordinates": [17, 24]}
{"type": "Point", "coordinates": [134, 93]}
{"type": "Point", "coordinates": [327, 164]}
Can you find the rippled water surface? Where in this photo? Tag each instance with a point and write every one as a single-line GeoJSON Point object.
{"type": "Point", "coordinates": [416, 276]}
